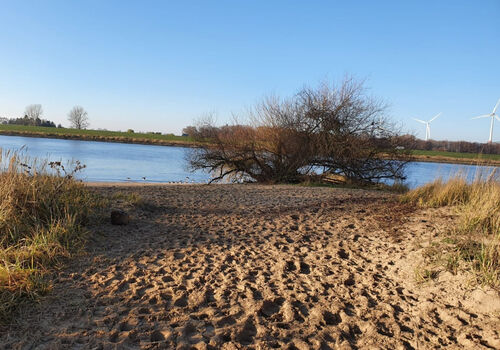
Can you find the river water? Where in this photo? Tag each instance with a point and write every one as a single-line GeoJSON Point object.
{"type": "Point", "coordinates": [117, 162]}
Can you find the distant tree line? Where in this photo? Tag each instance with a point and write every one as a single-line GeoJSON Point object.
{"type": "Point", "coordinates": [28, 121]}
{"type": "Point", "coordinates": [77, 117]}
{"type": "Point", "coordinates": [32, 116]}
{"type": "Point", "coordinates": [452, 146]}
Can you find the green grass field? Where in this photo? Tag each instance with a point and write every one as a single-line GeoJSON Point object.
{"type": "Point", "coordinates": [457, 155]}
{"type": "Point", "coordinates": [61, 132]}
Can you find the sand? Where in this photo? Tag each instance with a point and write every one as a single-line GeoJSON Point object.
{"type": "Point", "coordinates": [259, 267]}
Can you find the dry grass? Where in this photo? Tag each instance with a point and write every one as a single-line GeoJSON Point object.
{"type": "Point", "coordinates": [475, 240]}
{"type": "Point", "coordinates": [42, 213]}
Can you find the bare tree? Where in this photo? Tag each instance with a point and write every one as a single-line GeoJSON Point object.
{"type": "Point", "coordinates": [334, 129]}
{"type": "Point", "coordinates": [78, 118]}
{"type": "Point", "coordinates": [189, 131]}
{"type": "Point", "coordinates": [33, 112]}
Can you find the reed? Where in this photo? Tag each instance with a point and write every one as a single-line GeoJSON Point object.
{"type": "Point", "coordinates": [474, 241]}
{"type": "Point", "coordinates": [43, 211]}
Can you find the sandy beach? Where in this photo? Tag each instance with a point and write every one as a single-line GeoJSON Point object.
{"type": "Point", "coordinates": [258, 267]}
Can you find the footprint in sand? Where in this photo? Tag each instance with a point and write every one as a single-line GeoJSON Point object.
{"type": "Point", "coordinates": [178, 255]}
{"type": "Point", "coordinates": [247, 334]}
{"type": "Point", "coordinates": [269, 307]}
{"type": "Point", "coordinates": [125, 327]}
{"type": "Point", "coordinates": [331, 319]}
{"type": "Point", "coordinates": [256, 294]}
{"type": "Point", "coordinates": [167, 279]}
{"type": "Point", "coordinates": [181, 301]}
{"type": "Point", "coordinates": [305, 268]}
{"type": "Point", "coordinates": [302, 310]}
{"type": "Point", "coordinates": [144, 310]}
{"type": "Point", "coordinates": [349, 281]}
{"type": "Point", "coordinates": [343, 254]}
{"type": "Point", "coordinates": [226, 321]}
{"type": "Point", "coordinates": [157, 336]}
{"type": "Point", "coordinates": [290, 266]}
{"type": "Point", "coordinates": [114, 337]}
{"type": "Point", "coordinates": [191, 333]}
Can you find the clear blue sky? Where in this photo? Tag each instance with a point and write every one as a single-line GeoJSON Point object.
{"type": "Point", "coordinates": [158, 65]}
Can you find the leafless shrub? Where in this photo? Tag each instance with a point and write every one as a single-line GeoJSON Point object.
{"type": "Point", "coordinates": [332, 129]}
{"type": "Point", "coordinates": [78, 118]}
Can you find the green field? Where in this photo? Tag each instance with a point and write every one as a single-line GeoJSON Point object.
{"type": "Point", "coordinates": [472, 156]}
{"type": "Point", "coordinates": [90, 134]}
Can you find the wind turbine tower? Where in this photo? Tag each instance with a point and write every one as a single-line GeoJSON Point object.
{"type": "Point", "coordinates": [492, 115]}
{"type": "Point", "coordinates": [427, 126]}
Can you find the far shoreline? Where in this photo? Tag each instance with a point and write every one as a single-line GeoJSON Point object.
{"type": "Point", "coordinates": [192, 144]}
{"type": "Point", "coordinates": [114, 139]}
{"type": "Point", "coordinates": [450, 160]}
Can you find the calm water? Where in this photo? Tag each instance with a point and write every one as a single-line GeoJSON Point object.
{"type": "Point", "coordinates": [107, 161]}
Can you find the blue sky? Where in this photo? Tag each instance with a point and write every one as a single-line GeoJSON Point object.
{"type": "Point", "coordinates": [159, 65]}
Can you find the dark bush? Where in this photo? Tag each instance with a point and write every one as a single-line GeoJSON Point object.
{"type": "Point", "coordinates": [338, 130]}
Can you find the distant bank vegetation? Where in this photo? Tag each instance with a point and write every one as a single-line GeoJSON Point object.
{"type": "Point", "coordinates": [456, 157]}
{"type": "Point", "coordinates": [97, 135]}
{"type": "Point", "coordinates": [457, 147]}
{"type": "Point", "coordinates": [32, 117]}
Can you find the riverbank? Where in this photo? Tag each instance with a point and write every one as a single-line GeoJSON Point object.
{"type": "Point", "coordinates": [184, 141]}
{"type": "Point", "coordinates": [234, 266]}
{"type": "Point", "coordinates": [456, 158]}
{"type": "Point", "coordinates": [98, 135]}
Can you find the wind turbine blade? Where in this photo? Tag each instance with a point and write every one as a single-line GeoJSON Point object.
{"type": "Point", "coordinates": [495, 109]}
{"type": "Point", "coordinates": [435, 117]}
{"type": "Point", "coordinates": [496, 116]}
{"type": "Point", "coordinates": [419, 120]}
{"type": "Point", "coordinates": [482, 116]}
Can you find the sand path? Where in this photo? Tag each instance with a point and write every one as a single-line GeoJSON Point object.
{"type": "Point", "coordinates": [262, 267]}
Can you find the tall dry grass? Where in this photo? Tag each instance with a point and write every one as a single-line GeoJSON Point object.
{"type": "Point", "coordinates": [43, 210]}
{"type": "Point", "coordinates": [475, 240]}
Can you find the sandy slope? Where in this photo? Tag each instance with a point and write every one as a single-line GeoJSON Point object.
{"type": "Point", "coordinates": [236, 266]}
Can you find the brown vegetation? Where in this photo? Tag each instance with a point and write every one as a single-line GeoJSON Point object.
{"type": "Point", "coordinates": [42, 211]}
{"type": "Point", "coordinates": [330, 129]}
{"type": "Point", "coordinates": [474, 243]}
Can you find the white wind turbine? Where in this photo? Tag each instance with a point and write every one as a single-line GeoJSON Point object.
{"type": "Point", "coordinates": [427, 126]}
{"type": "Point", "coordinates": [492, 115]}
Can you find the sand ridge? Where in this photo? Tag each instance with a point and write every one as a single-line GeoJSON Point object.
{"type": "Point", "coordinates": [259, 267]}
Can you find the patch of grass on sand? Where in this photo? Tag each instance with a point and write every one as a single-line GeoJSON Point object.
{"type": "Point", "coordinates": [475, 240]}
{"type": "Point", "coordinates": [43, 211]}
{"type": "Point", "coordinates": [423, 275]}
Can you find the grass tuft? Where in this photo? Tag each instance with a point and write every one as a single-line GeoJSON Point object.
{"type": "Point", "coordinates": [43, 210]}
{"type": "Point", "coordinates": [474, 242]}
